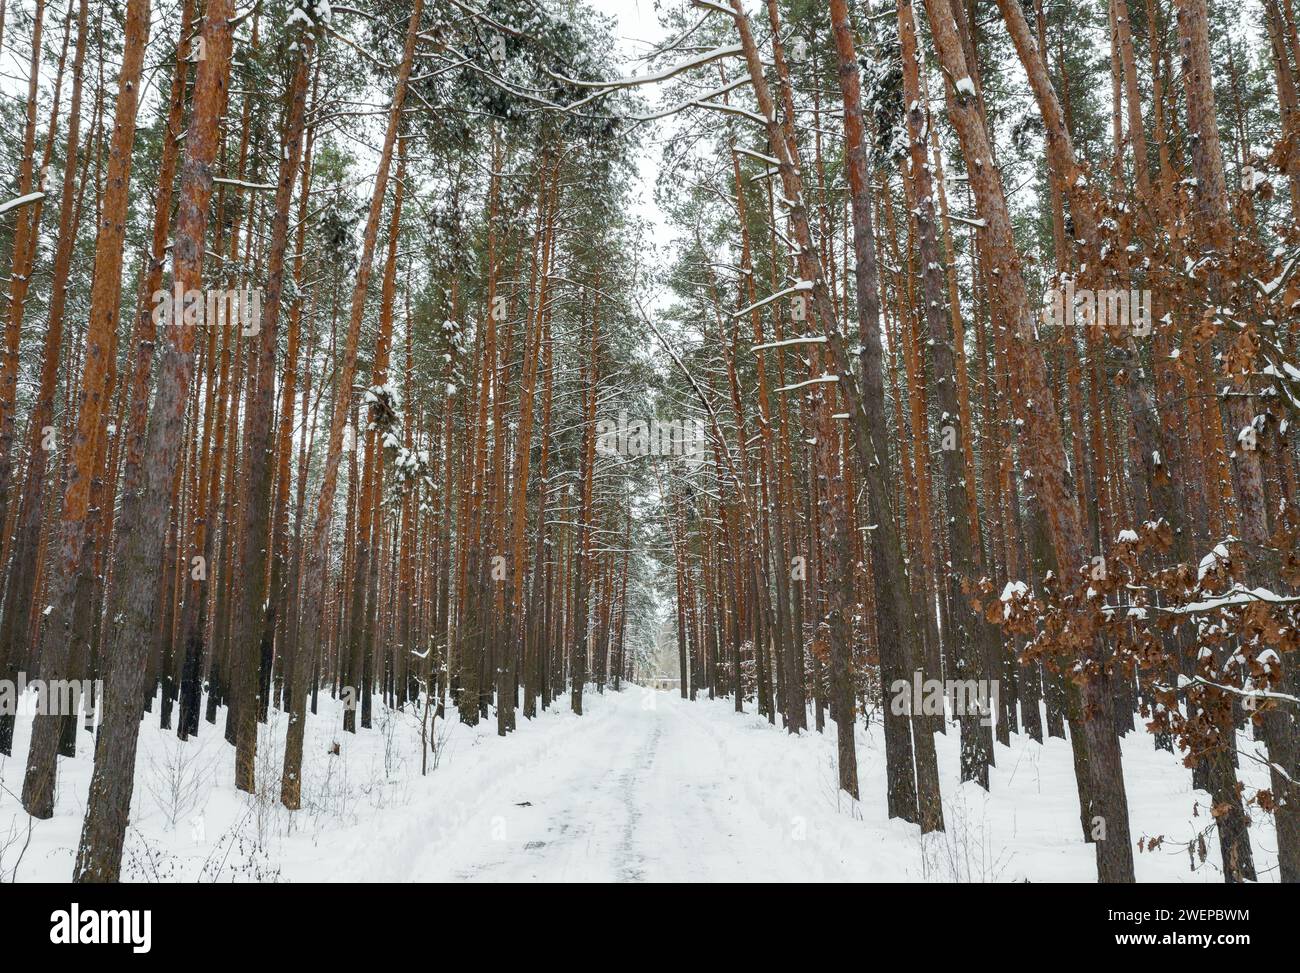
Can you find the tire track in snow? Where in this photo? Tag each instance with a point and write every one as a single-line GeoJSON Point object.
{"type": "Point", "coordinates": [632, 863]}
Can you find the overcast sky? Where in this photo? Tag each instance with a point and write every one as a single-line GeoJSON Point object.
{"type": "Point", "coordinates": [638, 31]}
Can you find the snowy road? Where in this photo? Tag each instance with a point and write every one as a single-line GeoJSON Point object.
{"type": "Point", "coordinates": [649, 787]}
{"type": "Point", "coordinates": [645, 792]}
{"type": "Point", "coordinates": [643, 787]}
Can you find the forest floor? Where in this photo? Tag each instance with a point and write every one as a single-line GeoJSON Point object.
{"type": "Point", "coordinates": [644, 787]}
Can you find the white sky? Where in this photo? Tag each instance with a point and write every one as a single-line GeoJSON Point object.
{"type": "Point", "coordinates": [638, 31]}
{"type": "Point", "coordinates": [637, 23]}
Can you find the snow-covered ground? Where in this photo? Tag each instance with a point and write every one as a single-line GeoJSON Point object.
{"type": "Point", "coordinates": [645, 786]}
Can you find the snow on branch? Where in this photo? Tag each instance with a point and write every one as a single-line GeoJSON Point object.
{"type": "Point", "coordinates": [803, 285]}
{"type": "Point", "coordinates": [1237, 595]}
{"type": "Point", "coordinates": [759, 156]}
{"type": "Point", "coordinates": [1184, 682]}
{"type": "Point", "coordinates": [702, 101]}
{"type": "Point", "coordinates": [817, 339]}
{"type": "Point", "coordinates": [708, 5]}
{"type": "Point", "coordinates": [1271, 287]}
{"type": "Point", "coordinates": [708, 57]}
{"type": "Point", "coordinates": [716, 106]}
{"type": "Point", "coordinates": [820, 380]}
{"type": "Point", "coordinates": [20, 201]}
{"type": "Point", "coordinates": [241, 184]}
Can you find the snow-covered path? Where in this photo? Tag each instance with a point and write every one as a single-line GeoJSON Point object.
{"type": "Point", "coordinates": [649, 787]}
{"type": "Point", "coordinates": [642, 792]}
{"type": "Point", "coordinates": [644, 786]}
{"type": "Point", "coordinates": [649, 793]}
